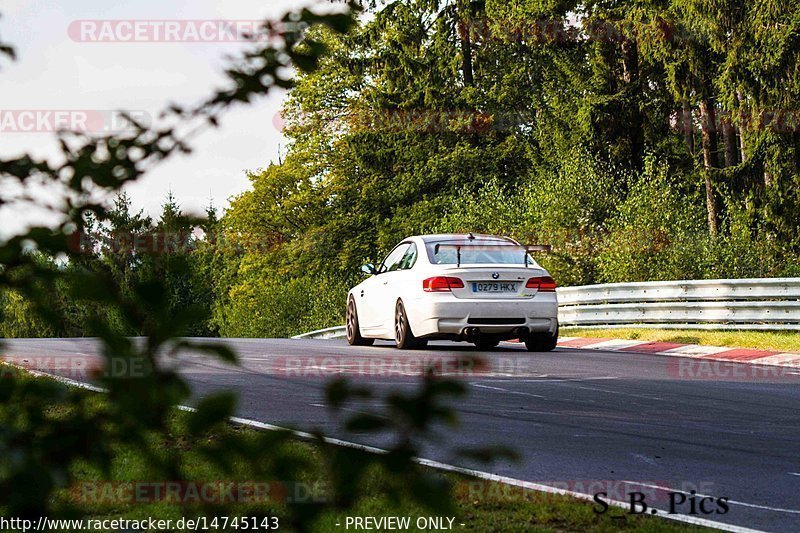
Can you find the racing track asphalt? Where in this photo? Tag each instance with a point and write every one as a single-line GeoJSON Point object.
{"type": "Point", "coordinates": [573, 416]}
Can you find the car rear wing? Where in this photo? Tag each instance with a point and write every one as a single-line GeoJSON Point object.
{"type": "Point", "coordinates": [539, 248]}
{"type": "Point", "coordinates": [546, 248]}
{"type": "Point", "coordinates": [529, 248]}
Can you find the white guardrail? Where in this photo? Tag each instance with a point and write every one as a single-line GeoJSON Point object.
{"type": "Point", "coordinates": [336, 332]}
{"type": "Point", "coordinates": [753, 304]}
{"type": "Point", "coordinates": [764, 303]}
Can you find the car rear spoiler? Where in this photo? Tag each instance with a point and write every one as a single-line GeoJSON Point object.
{"type": "Point", "coordinates": [536, 248]}
{"type": "Point", "coordinates": [539, 248]}
{"type": "Point", "coordinates": [528, 248]}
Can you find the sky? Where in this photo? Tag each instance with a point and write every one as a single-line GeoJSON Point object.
{"type": "Point", "coordinates": [56, 71]}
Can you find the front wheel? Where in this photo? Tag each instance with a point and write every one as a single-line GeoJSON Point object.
{"type": "Point", "coordinates": [542, 342]}
{"type": "Point", "coordinates": [403, 335]}
{"type": "Point", "coordinates": [354, 337]}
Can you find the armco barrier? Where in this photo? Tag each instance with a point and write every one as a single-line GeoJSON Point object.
{"type": "Point", "coordinates": [753, 304]}
{"type": "Point", "coordinates": [336, 332]}
{"type": "Point", "coordinates": [765, 303]}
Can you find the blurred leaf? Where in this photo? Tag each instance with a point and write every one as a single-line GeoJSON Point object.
{"type": "Point", "coordinates": [210, 412]}
{"type": "Point", "coordinates": [489, 454]}
{"type": "Point", "coordinates": [223, 352]}
{"type": "Point", "coordinates": [339, 391]}
{"type": "Point", "coordinates": [365, 423]}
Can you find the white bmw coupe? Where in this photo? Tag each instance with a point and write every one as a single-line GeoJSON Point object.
{"type": "Point", "coordinates": [475, 288]}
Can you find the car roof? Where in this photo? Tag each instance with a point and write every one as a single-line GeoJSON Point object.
{"type": "Point", "coordinates": [439, 237]}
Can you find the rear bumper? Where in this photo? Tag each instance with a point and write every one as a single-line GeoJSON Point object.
{"type": "Point", "coordinates": [451, 316]}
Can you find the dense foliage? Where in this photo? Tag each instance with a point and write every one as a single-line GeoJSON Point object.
{"type": "Point", "coordinates": [644, 140]}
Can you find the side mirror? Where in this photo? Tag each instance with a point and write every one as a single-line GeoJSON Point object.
{"type": "Point", "coordinates": [368, 269]}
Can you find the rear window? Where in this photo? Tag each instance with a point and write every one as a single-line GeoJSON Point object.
{"type": "Point", "coordinates": [477, 253]}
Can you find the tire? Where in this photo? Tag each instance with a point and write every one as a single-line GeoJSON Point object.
{"type": "Point", "coordinates": [542, 342]}
{"type": "Point", "coordinates": [403, 336]}
{"type": "Point", "coordinates": [354, 337]}
{"type": "Point", "coordinates": [486, 344]}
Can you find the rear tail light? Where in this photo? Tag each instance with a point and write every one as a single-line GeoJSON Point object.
{"type": "Point", "coordinates": [442, 284]}
{"type": "Point", "coordinates": [542, 283]}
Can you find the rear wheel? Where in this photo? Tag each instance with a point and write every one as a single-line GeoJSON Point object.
{"type": "Point", "coordinates": [403, 335]}
{"type": "Point", "coordinates": [542, 342]}
{"type": "Point", "coordinates": [354, 337]}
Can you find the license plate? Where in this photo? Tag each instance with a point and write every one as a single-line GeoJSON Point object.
{"type": "Point", "coordinates": [494, 286]}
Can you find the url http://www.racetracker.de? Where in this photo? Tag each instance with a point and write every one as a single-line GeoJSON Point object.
{"type": "Point", "coordinates": [201, 523]}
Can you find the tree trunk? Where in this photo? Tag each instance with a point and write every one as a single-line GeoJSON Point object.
{"type": "Point", "coordinates": [729, 136]}
{"type": "Point", "coordinates": [741, 145]}
{"type": "Point", "coordinates": [796, 139]}
{"type": "Point", "coordinates": [732, 151]}
{"type": "Point", "coordinates": [709, 130]}
{"type": "Point", "coordinates": [466, 57]}
{"type": "Point", "coordinates": [767, 178]}
{"type": "Point", "coordinates": [709, 134]}
{"type": "Point", "coordinates": [687, 124]}
{"type": "Point", "coordinates": [466, 42]}
{"type": "Point", "coordinates": [630, 61]}
{"type": "Point", "coordinates": [742, 126]}
{"type": "Point", "coordinates": [630, 74]}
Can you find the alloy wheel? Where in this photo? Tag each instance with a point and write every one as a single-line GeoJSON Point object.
{"type": "Point", "coordinates": [350, 322]}
{"type": "Point", "coordinates": [399, 324]}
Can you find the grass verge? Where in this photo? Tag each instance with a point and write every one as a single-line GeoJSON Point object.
{"type": "Point", "coordinates": [782, 341]}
